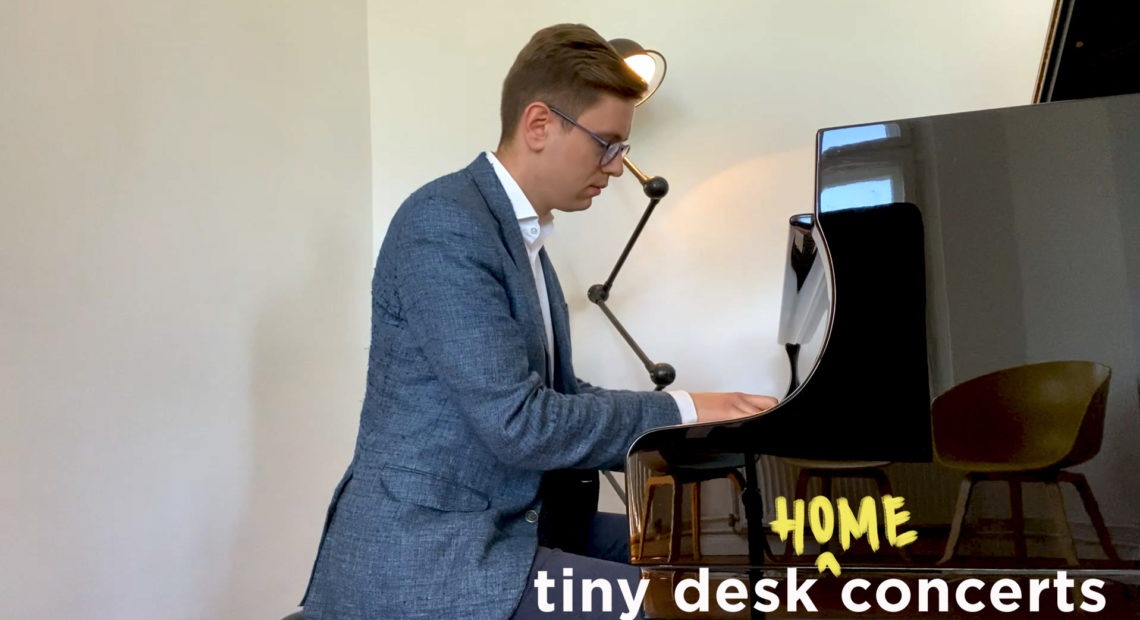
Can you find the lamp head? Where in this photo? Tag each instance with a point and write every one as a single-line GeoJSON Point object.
{"type": "Point", "coordinates": [649, 64]}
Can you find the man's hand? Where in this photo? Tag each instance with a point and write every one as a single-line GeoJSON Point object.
{"type": "Point", "coordinates": [722, 406]}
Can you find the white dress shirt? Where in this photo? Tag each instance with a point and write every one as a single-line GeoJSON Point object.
{"type": "Point", "coordinates": [534, 233]}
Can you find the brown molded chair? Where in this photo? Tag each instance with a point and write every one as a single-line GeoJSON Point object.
{"type": "Point", "coordinates": [1025, 424]}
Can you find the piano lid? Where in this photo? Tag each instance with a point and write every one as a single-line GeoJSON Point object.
{"type": "Point", "coordinates": [1025, 220]}
{"type": "Point", "coordinates": [958, 245]}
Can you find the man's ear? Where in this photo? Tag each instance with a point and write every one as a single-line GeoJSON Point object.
{"type": "Point", "coordinates": [534, 126]}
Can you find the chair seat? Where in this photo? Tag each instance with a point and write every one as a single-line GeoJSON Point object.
{"type": "Point", "coordinates": [835, 465]}
{"type": "Point", "coordinates": [1006, 467]}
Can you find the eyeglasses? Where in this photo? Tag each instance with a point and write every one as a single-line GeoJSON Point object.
{"type": "Point", "coordinates": [610, 150]}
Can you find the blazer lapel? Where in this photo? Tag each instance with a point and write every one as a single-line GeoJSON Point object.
{"type": "Point", "coordinates": [496, 198]}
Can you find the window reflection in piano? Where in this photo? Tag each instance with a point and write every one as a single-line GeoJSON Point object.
{"type": "Point", "coordinates": [835, 138]}
{"type": "Point", "coordinates": [864, 165]}
{"type": "Point", "coordinates": [859, 194]}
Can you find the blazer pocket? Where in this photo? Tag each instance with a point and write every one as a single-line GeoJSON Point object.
{"type": "Point", "coordinates": [431, 491]}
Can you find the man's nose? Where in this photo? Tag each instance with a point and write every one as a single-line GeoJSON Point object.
{"type": "Point", "coordinates": [615, 167]}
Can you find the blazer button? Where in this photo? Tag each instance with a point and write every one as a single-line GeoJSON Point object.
{"type": "Point", "coordinates": [531, 516]}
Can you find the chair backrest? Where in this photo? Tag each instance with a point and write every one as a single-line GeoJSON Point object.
{"type": "Point", "coordinates": [1037, 416]}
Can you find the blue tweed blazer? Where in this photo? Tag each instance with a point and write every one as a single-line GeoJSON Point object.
{"type": "Point", "coordinates": [434, 517]}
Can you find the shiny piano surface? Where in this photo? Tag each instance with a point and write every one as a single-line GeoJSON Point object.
{"type": "Point", "coordinates": [940, 249]}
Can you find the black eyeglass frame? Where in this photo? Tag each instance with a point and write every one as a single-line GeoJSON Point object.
{"type": "Point", "coordinates": [610, 150]}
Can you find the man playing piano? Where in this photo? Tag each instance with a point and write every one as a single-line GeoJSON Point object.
{"type": "Point", "coordinates": [476, 460]}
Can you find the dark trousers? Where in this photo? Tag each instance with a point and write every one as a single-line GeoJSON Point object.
{"type": "Point", "coordinates": [606, 558]}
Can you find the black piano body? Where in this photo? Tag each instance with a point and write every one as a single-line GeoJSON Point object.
{"type": "Point", "coordinates": [940, 249]}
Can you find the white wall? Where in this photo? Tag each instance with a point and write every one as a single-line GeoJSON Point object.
{"type": "Point", "coordinates": [732, 129]}
{"type": "Point", "coordinates": [184, 265]}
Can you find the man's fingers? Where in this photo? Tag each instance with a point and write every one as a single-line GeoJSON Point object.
{"type": "Point", "coordinates": [752, 404]}
{"type": "Point", "coordinates": [758, 402]}
{"type": "Point", "coordinates": [712, 406]}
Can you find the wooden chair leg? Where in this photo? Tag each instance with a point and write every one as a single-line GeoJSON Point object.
{"type": "Point", "coordinates": [964, 491]}
{"type": "Point", "coordinates": [1017, 516]}
{"type": "Point", "coordinates": [1068, 547]}
{"type": "Point", "coordinates": [675, 525]}
{"type": "Point", "coordinates": [737, 492]}
{"type": "Point", "coordinates": [825, 491]}
{"type": "Point", "coordinates": [695, 508]}
{"type": "Point", "coordinates": [881, 481]}
{"type": "Point", "coordinates": [884, 485]}
{"type": "Point", "coordinates": [645, 522]}
{"type": "Point", "coordinates": [1093, 510]}
{"type": "Point", "coordinates": [802, 481]}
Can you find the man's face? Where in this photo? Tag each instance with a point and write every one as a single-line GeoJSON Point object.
{"type": "Point", "coordinates": [573, 175]}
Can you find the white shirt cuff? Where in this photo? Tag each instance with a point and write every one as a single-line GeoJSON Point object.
{"type": "Point", "coordinates": [685, 404]}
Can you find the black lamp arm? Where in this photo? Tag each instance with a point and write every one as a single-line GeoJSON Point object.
{"type": "Point", "coordinates": [655, 189]}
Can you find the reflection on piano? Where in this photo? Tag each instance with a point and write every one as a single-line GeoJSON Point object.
{"type": "Point", "coordinates": [990, 239]}
{"type": "Point", "coordinates": [805, 293]}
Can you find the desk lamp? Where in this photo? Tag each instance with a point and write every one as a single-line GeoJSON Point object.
{"type": "Point", "coordinates": [650, 65]}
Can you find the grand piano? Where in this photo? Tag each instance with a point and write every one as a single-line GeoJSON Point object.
{"type": "Point", "coordinates": [940, 249]}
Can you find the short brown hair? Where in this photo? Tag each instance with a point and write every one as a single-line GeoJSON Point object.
{"type": "Point", "coordinates": [568, 66]}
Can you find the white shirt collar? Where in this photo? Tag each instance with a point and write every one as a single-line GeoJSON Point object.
{"type": "Point", "coordinates": [533, 231]}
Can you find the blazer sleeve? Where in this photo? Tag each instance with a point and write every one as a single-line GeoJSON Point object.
{"type": "Point", "coordinates": [451, 283]}
{"type": "Point", "coordinates": [585, 387]}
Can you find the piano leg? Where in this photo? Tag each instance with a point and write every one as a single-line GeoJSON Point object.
{"type": "Point", "coordinates": [758, 550]}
